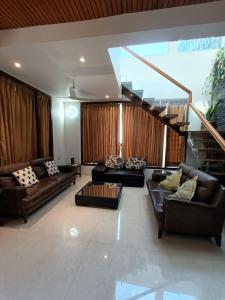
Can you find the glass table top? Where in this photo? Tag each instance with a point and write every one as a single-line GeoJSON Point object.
{"type": "Point", "coordinates": [93, 189]}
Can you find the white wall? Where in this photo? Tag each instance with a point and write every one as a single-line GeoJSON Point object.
{"type": "Point", "coordinates": [58, 130]}
{"type": "Point", "coordinates": [72, 131]}
{"type": "Point", "coordinates": [66, 130]}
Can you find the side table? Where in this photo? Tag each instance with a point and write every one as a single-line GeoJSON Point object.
{"type": "Point", "coordinates": [77, 169]}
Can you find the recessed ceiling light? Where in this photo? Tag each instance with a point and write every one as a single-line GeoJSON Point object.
{"type": "Point", "coordinates": [107, 96]}
{"type": "Point", "coordinates": [82, 59]}
{"type": "Point", "coordinates": [17, 65]}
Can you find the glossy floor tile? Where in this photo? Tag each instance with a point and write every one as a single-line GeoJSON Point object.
{"type": "Point", "coordinates": [67, 252]}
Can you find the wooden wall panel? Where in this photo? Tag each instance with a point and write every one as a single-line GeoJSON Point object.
{"type": "Point", "coordinates": [25, 13]}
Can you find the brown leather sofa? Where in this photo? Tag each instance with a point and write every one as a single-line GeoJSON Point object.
{"type": "Point", "coordinates": [16, 200]}
{"type": "Point", "coordinates": [204, 215]}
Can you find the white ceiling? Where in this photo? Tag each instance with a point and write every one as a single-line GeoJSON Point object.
{"type": "Point", "coordinates": [50, 54]}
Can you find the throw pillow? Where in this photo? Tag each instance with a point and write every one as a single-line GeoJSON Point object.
{"type": "Point", "coordinates": [51, 168]}
{"type": "Point", "coordinates": [114, 162]}
{"type": "Point", "coordinates": [172, 182]}
{"type": "Point", "coordinates": [26, 177]}
{"type": "Point", "coordinates": [135, 163]}
{"type": "Point", "coordinates": [186, 191]}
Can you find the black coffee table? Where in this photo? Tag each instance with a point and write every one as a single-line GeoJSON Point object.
{"type": "Point", "coordinates": [97, 194]}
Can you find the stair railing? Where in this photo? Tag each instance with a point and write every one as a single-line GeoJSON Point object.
{"type": "Point", "coordinates": [217, 136]}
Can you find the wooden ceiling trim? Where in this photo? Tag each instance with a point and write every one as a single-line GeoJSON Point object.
{"type": "Point", "coordinates": [129, 6]}
{"type": "Point", "coordinates": [91, 14]}
{"type": "Point", "coordinates": [109, 7]}
{"type": "Point", "coordinates": [74, 10]}
{"type": "Point", "coordinates": [35, 10]}
{"type": "Point", "coordinates": [56, 14]}
{"type": "Point", "coordinates": [70, 13]}
{"type": "Point", "coordinates": [12, 14]}
{"type": "Point", "coordinates": [24, 13]}
{"type": "Point", "coordinates": [99, 8]}
{"type": "Point", "coordinates": [114, 8]}
{"type": "Point", "coordinates": [61, 8]}
{"type": "Point", "coordinates": [83, 6]}
{"type": "Point", "coordinates": [95, 9]}
{"type": "Point", "coordinates": [124, 6]}
{"type": "Point", "coordinates": [119, 6]}
{"type": "Point", "coordinates": [79, 9]}
{"type": "Point", "coordinates": [104, 8]}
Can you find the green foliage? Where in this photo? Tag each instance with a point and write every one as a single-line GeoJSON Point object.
{"type": "Point", "coordinates": [211, 110]}
{"type": "Point", "coordinates": [217, 74]}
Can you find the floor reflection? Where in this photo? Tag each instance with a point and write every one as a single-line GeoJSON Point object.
{"type": "Point", "coordinates": [127, 291]}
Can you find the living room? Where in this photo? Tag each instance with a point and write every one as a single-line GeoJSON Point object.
{"type": "Point", "coordinates": [111, 159]}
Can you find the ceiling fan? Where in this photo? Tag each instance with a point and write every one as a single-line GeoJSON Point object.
{"type": "Point", "coordinates": [74, 96]}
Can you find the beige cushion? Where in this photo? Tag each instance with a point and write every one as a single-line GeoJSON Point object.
{"type": "Point", "coordinates": [26, 177]}
{"type": "Point", "coordinates": [187, 190]}
{"type": "Point", "coordinates": [172, 182]}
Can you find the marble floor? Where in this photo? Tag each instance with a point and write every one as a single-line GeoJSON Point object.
{"type": "Point", "coordinates": [66, 252]}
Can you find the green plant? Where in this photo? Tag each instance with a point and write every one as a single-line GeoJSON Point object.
{"type": "Point", "coordinates": [211, 110]}
{"type": "Point", "coordinates": [217, 74]}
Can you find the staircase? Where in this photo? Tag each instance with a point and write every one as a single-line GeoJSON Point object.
{"type": "Point", "coordinates": [207, 144]}
{"type": "Point", "coordinates": [157, 108]}
{"type": "Point", "coordinates": [209, 155]}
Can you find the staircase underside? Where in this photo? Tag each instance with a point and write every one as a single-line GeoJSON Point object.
{"type": "Point", "coordinates": [155, 111]}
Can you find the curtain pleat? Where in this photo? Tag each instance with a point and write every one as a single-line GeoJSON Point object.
{"type": "Point", "coordinates": [18, 139]}
{"type": "Point", "coordinates": [175, 153]}
{"type": "Point", "coordinates": [142, 135]}
{"type": "Point", "coordinates": [44, 138]}
{"type": "Point", "coordinates": [99, 131]}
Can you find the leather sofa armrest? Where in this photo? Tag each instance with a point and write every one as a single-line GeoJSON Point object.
{"type": "Point", "coordinates": [65, 168]}
{"type": "Point", "coordinates": [99, 169]}
{"type": "Point", "coordinates": [17, 192]}
{"type": "Point", "coordinates": [192, 217]}
{"type": "Point", "coordinates": [11, 199]}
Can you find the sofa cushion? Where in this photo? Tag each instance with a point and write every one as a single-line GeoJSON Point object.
{"type": "Point", "coordinates": [154, 186]}
{"type": "Point", "coordinates": [187, 190]}
{"type": "Point", "coordinates": [172, 182]}
{"type": "Point", "coordinates": [114, 162]}
{"type": "Point", "coordinates": [61, 177]}
{"type": "Point", "coordinates": [51, 168]}
{"type": "Point", "coordinates": [41, 189]}
{"type": "Point", "coordinates": [40, 161]}
{"type": "Point", "coordinates": [40, 171]}
{"type": "Point", "coordinates": [206, 185]}
{"type": "Point", "coordinates": [26, 177]}
{"type": "Point", "coordinates": [8, 181]}
{"type": "Point", "coordinates": [135, 163]}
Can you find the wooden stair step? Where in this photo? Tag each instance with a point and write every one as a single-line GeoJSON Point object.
{"type": "Point", "coordinates": [138, 93]}
{"type": "Point", "coordinates": [204, 149]}
{"type": "Point", "coordinates": [213, 159]}
{"type": "Point", "coordinates": [179, 124]}
{"type": "Point", "coordinates": [169, 116]}
{"type": "Point", "coordinates": [158, 109]}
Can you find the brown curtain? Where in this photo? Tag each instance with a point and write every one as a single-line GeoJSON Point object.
{"type": "Point", "coordinates": [142, 135]}
{"type": "Point", "coordinates": [44, 136]}
{"type": "Point", "coordinates": [99, 131]}
{"type": "Point", "coordinates": [175, 153]}
{"type": "Point", "coordinates": [18, 140]}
